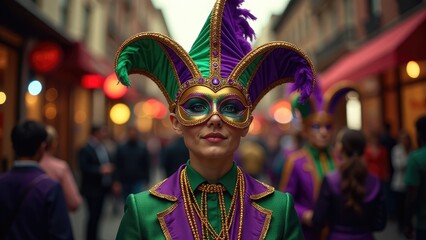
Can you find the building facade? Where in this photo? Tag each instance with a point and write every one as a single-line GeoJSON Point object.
{"type": "Point", "coordinates": [368, 45]}
{"type": "Point", "coordinates": [68, 47]}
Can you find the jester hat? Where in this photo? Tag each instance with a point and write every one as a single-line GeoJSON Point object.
{"type": "Point", "coordinates": [220, 58]}
{"type": "Point", "coordinates": [320, 107]}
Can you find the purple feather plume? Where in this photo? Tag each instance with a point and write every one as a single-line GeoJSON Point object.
{"type": "Point", "coordinates": [242, 28]}
{"type": "Point", "coordinates": [303, 84]}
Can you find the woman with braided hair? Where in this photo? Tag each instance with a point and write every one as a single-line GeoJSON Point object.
{"type": "Point", "coordinates": [350, 201]}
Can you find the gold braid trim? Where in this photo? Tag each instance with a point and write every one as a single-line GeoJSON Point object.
{"type": "Point", "coordinates": [215, 38]}
{"type": "Point", "coordinates": [163, 39]}
{"type": "Point", "coordinates": [154, 192]}
{"type": "Point", "coordinates": [269, 190]}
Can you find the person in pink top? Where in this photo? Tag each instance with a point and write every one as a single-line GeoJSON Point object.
{"type": "Point", "coordinates": [59, 170]}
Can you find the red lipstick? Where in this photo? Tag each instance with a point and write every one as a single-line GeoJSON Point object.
{"type": "Point", "coordinates": [214, 137]}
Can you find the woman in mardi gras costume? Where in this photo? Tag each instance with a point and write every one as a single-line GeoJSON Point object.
{"type": "Point", "coordinates": [305, 168]}
{"type": "Point", "coordinates": [350, 200]}
{"type": "Point", "coordinates": [212, 91]}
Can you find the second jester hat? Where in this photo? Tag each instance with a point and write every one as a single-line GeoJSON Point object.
{"type": "Point", "coordinates": [220, 61]}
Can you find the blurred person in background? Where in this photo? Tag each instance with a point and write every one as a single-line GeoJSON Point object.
{"type": "Point", "coordinates": [271, 142]}
{"type": "Point", "coordinates": [399, 162]}
{"type": "Point", "coordinates": [377, 161]}
{"type": "Point", "coordinates": [291, 143]}
{"type": "Point", "coordinates": [304, 169]}
{"type": "Point", "coordinates": [376, 157]}
{"type": "Point", "coordinates": [212, 91]}
{"type": "Point", "coordinates": [351, 201]}
{"type": "Point", "coordinates": [59, 170]}
{"type": "Point", "coordinates": [32, 205]}
{"type": "Point", "coordinates": [96, 177]}
{"type": "Point", "coordinates": [388, 141]}
{"type": "Point", "coordinates": [174, 155]}
{"type": "Point", "coordinates": [415, 181]}
{"type": "Point", "coordinates": [251, 156]}
{"type": "Point", "coordinates": [133, 164]}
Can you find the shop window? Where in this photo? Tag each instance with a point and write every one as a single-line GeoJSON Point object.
{"type": "Point", "coordinates": [353, 111]}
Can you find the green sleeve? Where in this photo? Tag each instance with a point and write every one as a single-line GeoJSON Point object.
{"type": "Point", "coordinates": [140, 220]}
{"type": "Point", "coordinates": [129, 227]}
{"type": "Point", "coordinates": [292, 229]}
{"type": "Point", "coordinates": [412, 177]}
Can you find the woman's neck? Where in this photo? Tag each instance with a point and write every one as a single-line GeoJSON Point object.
{"type": "Point", "coordinates": [211, 169]}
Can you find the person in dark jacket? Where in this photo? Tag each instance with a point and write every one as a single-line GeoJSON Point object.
{"type": "Point", "coordinates": [32, 205]}
{"type": "Point", "coordinates": [96, 172]}
{"type": "Point", "coordinates": [132, 161]}
{"type": "Point", "coordinates": [351, 201]}
{"type": "Point", "coordinates": [174, 155]}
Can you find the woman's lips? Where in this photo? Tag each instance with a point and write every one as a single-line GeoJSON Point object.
{"type": "Point", "coordinates": [214, 137]}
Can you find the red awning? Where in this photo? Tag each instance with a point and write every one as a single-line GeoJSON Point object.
{"type": "Point", "coordinates": [81, 60]}
{"type": "Point", "coordinates": [395, 46]}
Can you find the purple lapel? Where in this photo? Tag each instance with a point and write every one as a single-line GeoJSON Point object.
{"type": "Point", "coordinates": [174, 222]}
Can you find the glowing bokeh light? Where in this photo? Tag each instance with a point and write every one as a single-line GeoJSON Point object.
{"type": "Point", "coordinates": [3, 98]}
{"type": "Point", "coordinates": [283, 115]}
{"type": "Point", "coordinates": [413, 69]}
{"type": "Point", "coordinates": [137, 109]}
{"type": "Point", "coordinates": [51, 94]}
{"type": "Point", "coordinates": [150, 108]}
{"type": "Point", "coordinates": [119, 113]}
{"type": "Point", "coordinates": [281, 112]}
{"type": "Point", "coordinates": [35, 87]}
{"type": "Point", "coordinates": [113, 88]}
{"type": "Point", "coordinates": [50, 111]}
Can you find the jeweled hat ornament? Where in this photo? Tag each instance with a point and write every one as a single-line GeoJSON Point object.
{"type": "Point", "coordinates": [221, 74]}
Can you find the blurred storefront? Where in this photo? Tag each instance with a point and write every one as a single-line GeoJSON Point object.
{"type": "Point", "coordinates": [55, 58]}
{"type": "Point", "coordinates": [41, 72]}
{"type": "Point", "coordinates": [391, 67]}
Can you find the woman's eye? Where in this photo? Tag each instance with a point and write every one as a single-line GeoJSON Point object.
{"type": "Point", "coordinates": [229, 109]}
{"type": "Point", "coordinates": [232, 107]}
{"type": "Point", "coordinates": [197, 108]}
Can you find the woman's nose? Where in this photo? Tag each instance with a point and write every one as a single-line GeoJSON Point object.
{"type": "Point", "coordinates": [215, 121]}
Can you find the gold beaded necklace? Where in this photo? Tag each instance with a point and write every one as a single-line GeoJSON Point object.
{"type": "Point", "coordinates": [192, 207]}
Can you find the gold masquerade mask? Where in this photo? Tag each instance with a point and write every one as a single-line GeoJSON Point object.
{"type": "Point", "coordinates": [197, 104]}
